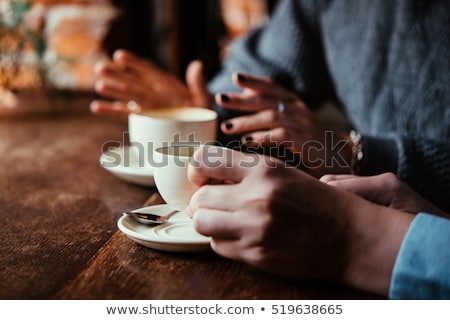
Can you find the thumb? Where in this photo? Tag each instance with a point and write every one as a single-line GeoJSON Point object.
{"type": "Point", "coordinates": [211, 163]}
{"type": "Point", "coordinates": [373, 188]}
{"type": "Point", "coordinates": [196, 84]}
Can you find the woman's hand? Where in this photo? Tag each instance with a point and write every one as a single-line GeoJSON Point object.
{"type": "Point", "coordinates": [129, 78]}
{"type": "Point", "coordinates": [281, 220]}
{"type": "Point", "coordinates": [385, 189]}
{"type": "Point", "coordinates": [281, 119]}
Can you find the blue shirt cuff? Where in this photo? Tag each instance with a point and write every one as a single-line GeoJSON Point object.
{"type": "Point", "coordinates": [422, 267]}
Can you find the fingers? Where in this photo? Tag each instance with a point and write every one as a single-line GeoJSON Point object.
{"type": "Point", "coordinates": [129, 77]}
{"type": "Point", "coordinates": [112, 110]}
{"type": "Point", "coordinates": [374, 188]}
{"type": "Point", "coordinates": [231, 249]}
{"type": "Point", "coordinates": [113, 82]}
{"type": "Point", "coordinates": [197, 85]}
{"type": "Point", "coordinates": [263, 85]}
{"type": "Point", "coordinates": [337, 177]}
{"type": "Point", "coordinates": [218, 163]}
{"type": "Point", "coordinates": [354, 184]}
{"type": "Point", "coordinates": [107, 69]}
{"type": "Point", "coordinates": [115, 89]}
{"type": "Point", "coordinates": [259, 94]}
{"type": "Point", "coordinates": [217, 223]}
{"type": "Point", "coordinates": [116, 83]}
{"type": "Point", "coordinates": [278, 137]}
{"type": "Point", "coordinates": [267, 119]}
{"type": "Point", "coordinates": [246, 103]}
{"type": "Point", "coordinates": [267, 128]}
{"type": "Point", "coordinates": [212, 197]}
{"type": "Point", "coordinates": [136, 65]}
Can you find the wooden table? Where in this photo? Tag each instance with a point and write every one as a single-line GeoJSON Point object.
{"type": "Point", "coordinates": [58, 230]}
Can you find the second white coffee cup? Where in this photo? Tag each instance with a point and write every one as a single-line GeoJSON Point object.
{"type": "Point", "coordinates": [156, 128]}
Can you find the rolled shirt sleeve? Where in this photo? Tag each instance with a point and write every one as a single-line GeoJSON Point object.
{"type": "Point", "coordinates": [422, 267]}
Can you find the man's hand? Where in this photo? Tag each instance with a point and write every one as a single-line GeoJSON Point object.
{"type": "Point", "coordinates": [384, 189]}
{"type": "Point", "coordinates": [282, 220]}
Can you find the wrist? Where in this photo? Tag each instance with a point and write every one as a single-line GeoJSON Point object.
{"type": "Point", "coordinates": [374, 242]}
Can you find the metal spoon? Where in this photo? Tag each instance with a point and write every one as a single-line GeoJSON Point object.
{"type": "Point", "coordinates": [149, 218]}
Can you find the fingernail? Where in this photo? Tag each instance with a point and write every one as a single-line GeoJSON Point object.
{"type": "Point", "coordinates": [188, 211]}
{"type": "Point", "coordinates": [93, 106]}
{"type": "Point", "coordinates": [224, 98]}
{"type": "Point", "coordinates": [248, 139]}
{"type": "Point", "coordinates": [241, 77]}
{"type": "Point", "coordinates": [132, 106]}
{"type": "Point", "coordinates": [98, 67]}
{"type": "Point", "coordinates": [228, 125]}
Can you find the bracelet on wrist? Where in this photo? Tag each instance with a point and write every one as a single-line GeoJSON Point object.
{"type": "Point", "coordinates": [357, 152]}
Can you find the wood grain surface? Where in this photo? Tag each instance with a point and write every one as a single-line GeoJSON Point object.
{"type": "Point", "coordinates": [58, 207]}
{"type": "Point", "coordinates": [58, 227]}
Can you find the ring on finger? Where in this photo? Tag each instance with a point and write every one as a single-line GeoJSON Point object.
{"type": "Point", "coordinates": [281, 107]}
{"type": "Point", "coordinates": [132, 105]}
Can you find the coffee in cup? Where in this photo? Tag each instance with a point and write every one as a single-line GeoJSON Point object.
{"type": "Point", "coordinates": [151, 129]}
{"type": "Point", "coordinates": [171, 174]}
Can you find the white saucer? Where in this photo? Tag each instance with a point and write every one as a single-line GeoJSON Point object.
{"type": "Point", "coordinates": [177, 235]}
{"type": "Point", "coordinates": [124, 163]}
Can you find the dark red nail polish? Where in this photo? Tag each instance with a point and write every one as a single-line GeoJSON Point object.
{"type": "Point", "coordinates": [224, 98]}
{"type": "Point", "coordinates": [228, 125]}
{"type": "Point", "coordinates": [241, 77]}
{"type": "Point", "coordinates": [248, 139]}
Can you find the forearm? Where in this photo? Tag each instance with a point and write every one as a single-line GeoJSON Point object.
{"type": "Point", "coordinates": [287, 49]}
{"type": "Point", "coordinates": [375, 236]}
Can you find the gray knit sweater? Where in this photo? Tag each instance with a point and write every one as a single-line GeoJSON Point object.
{"type": "Point", "coordinates": [385, 62]}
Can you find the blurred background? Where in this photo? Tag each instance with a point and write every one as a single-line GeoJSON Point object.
{"type": "Point", "coordinates": [49, 47]}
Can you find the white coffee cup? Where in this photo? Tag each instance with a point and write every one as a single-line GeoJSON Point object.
{"type": "Point", "coordinates": [155, 128]}
{"type": "Point", "coordinates": [171, 174]}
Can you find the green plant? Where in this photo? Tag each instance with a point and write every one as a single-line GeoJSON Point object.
{"type": "Point", "coordinates": [16, 36]}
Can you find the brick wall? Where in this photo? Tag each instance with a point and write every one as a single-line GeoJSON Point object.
{"type": "Point", "coordinates": [73, 33]}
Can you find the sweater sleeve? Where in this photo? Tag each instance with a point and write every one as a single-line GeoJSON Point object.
{"type": "Point", "coordinates": [423, 164]}
{"type": "Point", "coordinates": [422, 267]}
{"type": "Point", "coordinates": [287, 49]}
